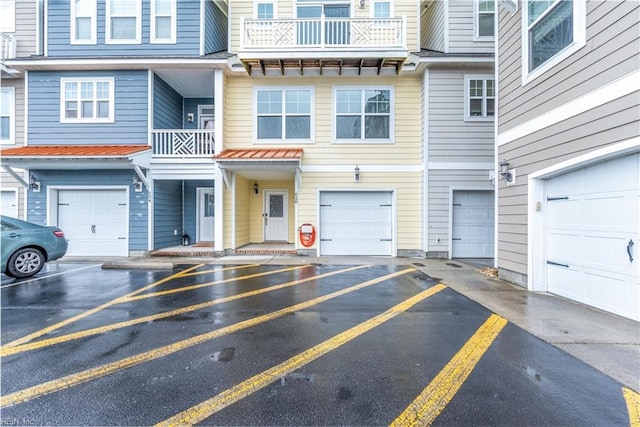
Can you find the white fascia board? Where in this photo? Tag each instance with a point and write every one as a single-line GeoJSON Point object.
{"type": "Point", "coordinates": [460, 166]}
{"type": "Point", "coordinates": [112, 64]}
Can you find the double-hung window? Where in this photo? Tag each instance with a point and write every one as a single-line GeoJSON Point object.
{"type": "Point", "coordinates": [284, 114]}
{"type": "Point", "coordinates": [87, 100]}
{"type": "Point", "coordinates": [381, 8]}
{"type": "Point", "coordinates": [123, 22]}
{"type": "Point", "coordinates": [485, 19]}
{"type": "Point", "coordinates": [264, 10]}
{"type": "Point", "coordinates": [363, 114]}
{"type": "Point", "coordinates": [8, 16]}
{"type": "Point", "coordinates": [83, 22]}
{"type": "Point", "coordinates": [480, 98]}
{"type": "Point", "coordinates": [554, 29]}
{"type": "Point", "coordinates": [163, 21]}
{"type": "Point", "coordinates": [7, 115]}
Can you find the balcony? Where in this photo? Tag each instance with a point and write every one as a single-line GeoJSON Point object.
{"type": "Point", "coordinates": [323, 45]}
{"type": "Point", "coordinates": [173, 144]}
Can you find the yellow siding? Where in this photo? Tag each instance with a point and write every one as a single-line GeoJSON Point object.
{"type": "Point", "coordinates": [243, 210]}
{"type": "Point", "coordinates": [406, 149]}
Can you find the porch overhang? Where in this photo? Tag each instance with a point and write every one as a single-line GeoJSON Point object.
{"type": "Point", "coordinates": [270, 163]}
{"type": "Point", "coordinates": [77, 157]}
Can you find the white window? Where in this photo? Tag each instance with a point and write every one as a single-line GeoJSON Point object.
{"type": "Point", "coordinates": [552, 30]}
{"type": "Point", "coordinates": [363, 114]}
{"type": "Point", "coordinates": [264, 10]}
{"type": "Point", "coordinates": [163, 21]}
{"type": "Point", "coordinates": [381, 8]}
{"type": "Point", "coordinates": [8, 16]}
{"type": "Point", "coordinates": [123, 24]}
{"type": "Point", "coordinates": [484, 19]}
{"type": "Point", "coordinates": [87, 100]}
{"type": "Point", "coordinates": [284, 114]}
{"type": "Point", "coordinates": [7, 115]}
{"type": "Point", "coordinates": [480, 98]}
{"type": "Point", "coordinates": [83, 22]}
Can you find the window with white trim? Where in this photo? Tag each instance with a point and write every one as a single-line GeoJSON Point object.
{"type": "Point", "coordinates": [485, 11]}
{"type": "Point", "coordinates": [7, 115]}
{"type": "Point", "coordinates": [123, 22]}
{"type": "Point", "coordinates": [163, 21]}
{"type": "Point", "coordinates": [264, 10]}
{"type": "Point", "coordinates": [381, 8]}
{"type": "Point", "coordinates": [284, 114]}
{"type": "Point", "coordinates": [553, 30]}
{"type": "Point", "coordinates": [83, 22]}
{"type": "Point", "coordinates": [363, 114]}
{"type": "Point", "coordinates": [87, 100]}
{"type": "Point", "coordinates": [480, 98]}
{"type": "Point", "coordinates": [8, 16]}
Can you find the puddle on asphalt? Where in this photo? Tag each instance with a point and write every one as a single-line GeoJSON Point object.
{"type": "Point", "coordinates": [224, 355]}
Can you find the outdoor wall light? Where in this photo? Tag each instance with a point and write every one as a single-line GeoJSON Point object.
{"type": "Point", "coordinates": [137, 184]}
{"type": "Point", "coordinates": [361, 4]}
{"type": "Point", "coordinates": [190, 117]}
{"type": "Point", "coordinates": [34, 184]}
{"type": "Point", "coordinates": [256, 191]}
{"type": "Point", "coordinates": [505, 172]}
{"type": "Point", "coordinates": [356, 174]}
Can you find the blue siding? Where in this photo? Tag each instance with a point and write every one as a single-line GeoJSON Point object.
{"type": "Point", "coordinates": [216, 29]}
{"type": "Point", "coordinates": [191, 106]}
{"type": "Point", "coordinates": [167, 215]}
{"type": "Point", "coordinates": [130, 127]}
{"type": "Point", "coordinates": [138, 202]}
{"type": "Point", "coordinates": [187, 37]}
{"type": "Point", "coordinates": [167, 106]}
{"type": "Point", "coordinates": [191, 205]}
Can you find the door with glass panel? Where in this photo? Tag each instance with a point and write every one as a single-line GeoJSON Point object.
{"type": "Point", "coordinates": [275, 216]}
{"type": "Point", "coordinates": [336, 28]}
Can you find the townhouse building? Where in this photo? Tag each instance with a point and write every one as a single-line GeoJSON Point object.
{"type": "Point", "coordinates": [568, 140]}
{"type": "Point", "coordinates": [338, 127]}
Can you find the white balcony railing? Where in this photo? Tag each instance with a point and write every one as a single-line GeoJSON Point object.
{"type": "Point", "coordinates": [7, 46]}
{"type": "Point", "coordinates": [183, 143]}
{"type": "Point", "coordinates": [324, 33]}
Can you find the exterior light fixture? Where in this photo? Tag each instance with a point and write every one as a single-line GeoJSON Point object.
{"type": "Point", "coordinates": [362, 4]}
{"type": "Point", "coordinates": [508, 175]}
{"type": "Point", "coordinates": [137, 184]}
{"type": "Point", "coordinates": [256, 190]}
{"type": "Point", "coordinates": [34, 184]}
{"type": "Point", "coordinates": [190, 117]}
{"type": "Point", "coordinates": [356, 174]}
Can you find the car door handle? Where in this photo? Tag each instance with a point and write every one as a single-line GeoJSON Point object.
{"type": "Point", "coordinates": [15, 235]}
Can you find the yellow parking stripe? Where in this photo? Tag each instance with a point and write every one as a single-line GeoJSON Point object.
{"type": "Point", "coordinates": [108, 328]}
{"type": "Point", "coordinates": [209, 407]}
{"type": "Point", "coordinates": [433, 399]}
{"type": "Point", "coordinates": [110, 368]}
{"type": "Point", "coordinates": [217, 282]}
{"type": "Point", "coordinates": [633, 406]}
{"type": "Point", "coordinates": [95, 310]}
{"type": "Point", "coordinates": [215, 270]}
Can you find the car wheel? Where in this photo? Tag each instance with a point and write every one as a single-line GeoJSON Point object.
{"type": "Point", "coordinates": [25, 262]}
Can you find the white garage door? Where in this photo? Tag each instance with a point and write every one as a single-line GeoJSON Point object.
{"type": "Point", "coordinates": [94, 222]}
{"type": "Point", "coordinates": [472, 224]}
{"type": "Point", "coordinates": [356, 223]}
{"type": "Point", "coordinates": [9, 203]}
{"type": "Point", "coordinates": [593, 231]}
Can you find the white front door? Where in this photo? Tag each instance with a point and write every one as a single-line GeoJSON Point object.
{"type": "Point", "coordinates": [206, 209]}
{"type": "Point", "coordinates": [275, 215]}
{"type": "Point", "coordinates": [94, 222]}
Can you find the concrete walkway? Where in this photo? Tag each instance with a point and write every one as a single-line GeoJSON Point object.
{"type": "Point", "coordinates": [605, 341]}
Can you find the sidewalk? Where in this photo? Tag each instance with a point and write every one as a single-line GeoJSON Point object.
{"type": "Point", "coordinates": [609, 343]}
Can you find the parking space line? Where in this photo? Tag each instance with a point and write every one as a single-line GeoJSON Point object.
{"type": "Point", "coordinates": [110, 368]}
{"type": "Point", "coordinates": [217, 282]}
{"type": "Point", "coordinates": [633, 406]}
{"type": "Point", "coordinates": [209, 407]}
{"type": "Point", "coordinates": [92, 311]}
{"type": "Point", "coordinates": [108, 328]}
{"type": "Point", "coordinates": [437, 395]}
{"type": "Point", "coordinates": [48, 276]}
{"type": "Point", "coordinates": [215, 270]}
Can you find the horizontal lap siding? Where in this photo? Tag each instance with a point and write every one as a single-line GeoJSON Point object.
{"type": "Point", "coordinates": [25, 35]}
{"type": "Point", "coordinates": [613, 36]}
{"type": "Point", "coordinates": [167, 106]}
{"type": "Point", "coordinates": [243, 9]}
{"type": "Point", "coordinates": [130, 127]}
{"type": "Point", "coordinates": [242, 215]}
{"type": "Point", "coordinates": [167, 213]}
{"type": "Point", "coordinates": [216, 29]}
{"type": "Point", "coordinates": [432, 27]}
{"type": "Point", "coordinates": [461, 29]}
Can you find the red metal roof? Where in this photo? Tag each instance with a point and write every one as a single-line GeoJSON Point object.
{"type": "Point", "coordinates": [260, 154]}
{"type": "Point", "coordinates": [74, 150]}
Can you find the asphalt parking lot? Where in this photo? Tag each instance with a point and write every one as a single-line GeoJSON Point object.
{"type": "Point", "coordinates": [281, 345]}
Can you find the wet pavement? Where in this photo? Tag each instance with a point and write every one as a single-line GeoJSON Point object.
{"type": "Point", "coordinates": [267, 344]}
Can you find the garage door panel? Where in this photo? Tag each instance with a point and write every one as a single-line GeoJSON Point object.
{"type": "Point", "coordinates": [563, 213]}
{"type": "Point", "coordinates": [472, 224]}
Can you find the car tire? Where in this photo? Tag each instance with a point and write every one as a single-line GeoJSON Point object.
{"type": "Point", "coordinates": [25, 262]}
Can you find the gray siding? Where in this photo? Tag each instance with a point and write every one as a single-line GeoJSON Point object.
{"type": "Point", "coordinates": [138, 202]}
{"type": "Point", "coordinates": [167, 215]}
{"type": "Point", "coordinates": [167, 106]}
{"type": "Point", "coordinates": [451, 139]}
{"type": "Point", "coordinates": [18, 85]}
{"type": "Point", "coordinates": [216, 29]}
{"type": "Point", "coordinates": [613, 37]}
{"type": "Point", "coordinates": [432, 27]}
{"type": "Point", "coordinates": [187, 37]}
{"type": "Point", "coordinates": [461, 29]}
{"type": "Point", "coordinates": [130, 127]}
{"type": "Point", "coordinates": [25, 34]}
